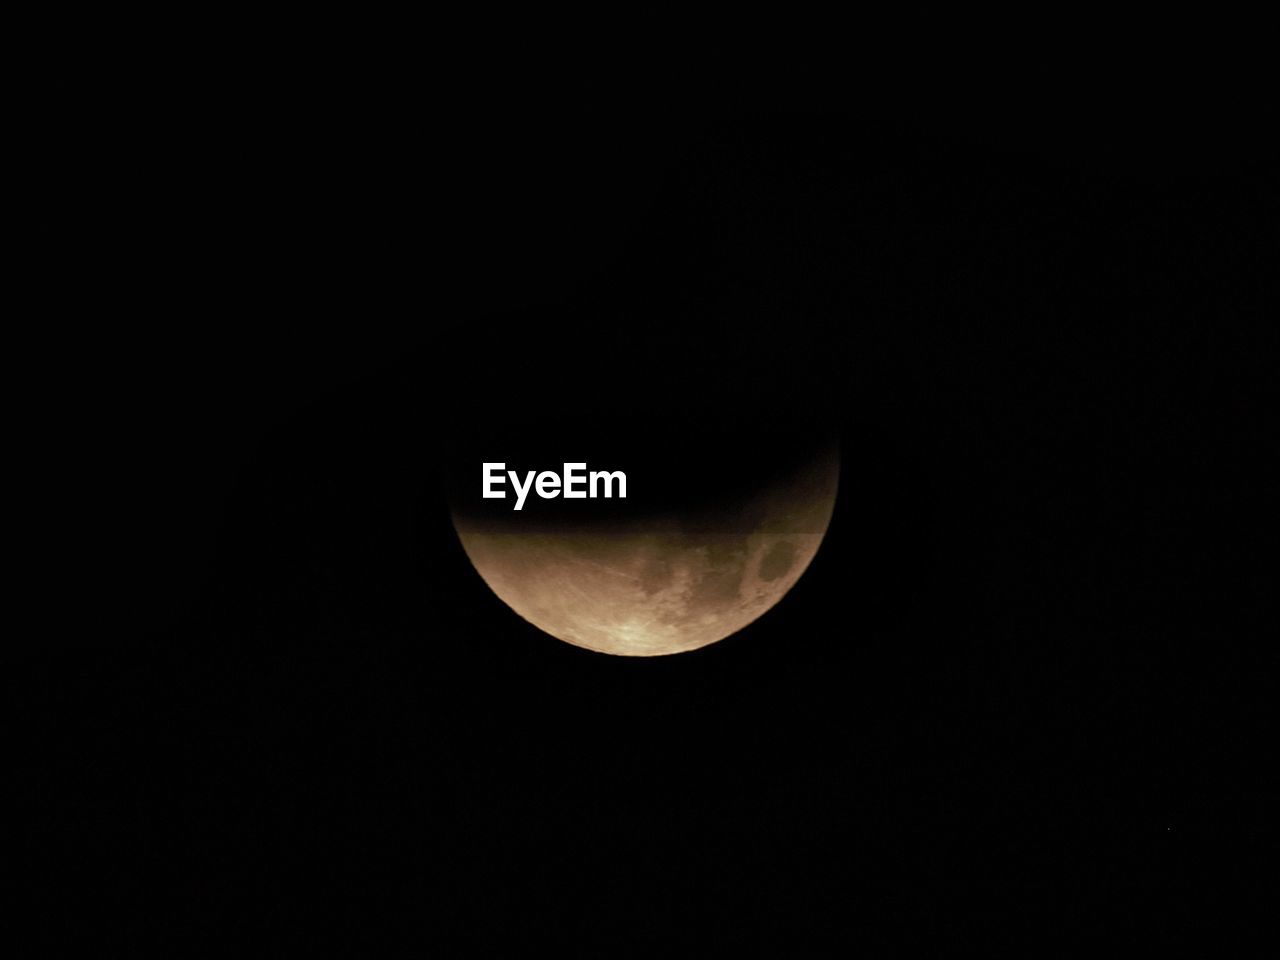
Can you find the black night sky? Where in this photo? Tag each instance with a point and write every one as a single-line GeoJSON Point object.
{"type": "Point", "coordinates": [1014, 693]}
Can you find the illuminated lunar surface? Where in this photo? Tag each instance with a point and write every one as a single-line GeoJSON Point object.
{"type": "Point", "coordinates": [664, 586]}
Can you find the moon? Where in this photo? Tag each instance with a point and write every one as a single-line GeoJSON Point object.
{"type": "Point", "coordinates": [662, 584]}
